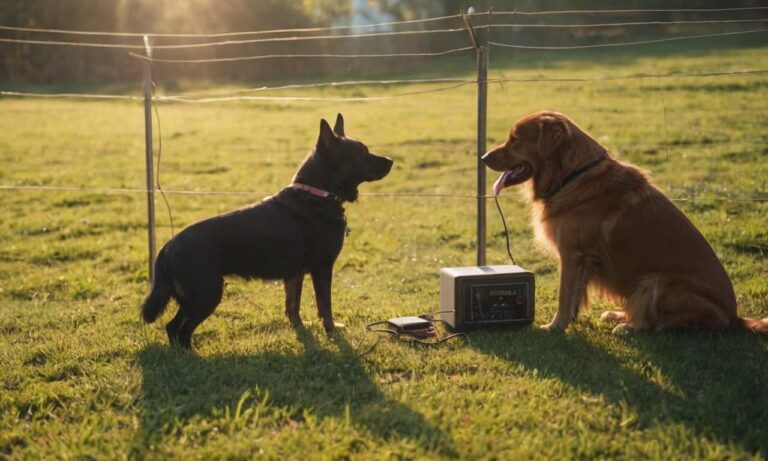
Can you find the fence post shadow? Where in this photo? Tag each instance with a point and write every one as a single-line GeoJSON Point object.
{"type": "Point", "coordinates": [178, 386]}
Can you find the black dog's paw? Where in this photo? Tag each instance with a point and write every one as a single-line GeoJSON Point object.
{"type": "Point", "coordinates": [335, 333]}
{"type": "Point", "coordinates": [296, 322]}
{"type": "Point", "coordinates": [330, 326]}
{"type": "Point", "coordinates": [184, 349]}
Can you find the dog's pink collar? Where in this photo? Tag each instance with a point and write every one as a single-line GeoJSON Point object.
{"type": "Point", "coordinates": [312, 190]}
{"type": "Point", "coordinates": [315, 190]}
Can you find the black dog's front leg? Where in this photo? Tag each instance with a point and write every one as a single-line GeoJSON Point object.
{"type": "Point", "coordinates": [293, 299]}
{"type": "Point", "coordinates": [321, 280]}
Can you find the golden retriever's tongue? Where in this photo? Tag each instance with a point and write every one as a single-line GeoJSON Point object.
{"type": "Point", "coordinates": [500, 182]}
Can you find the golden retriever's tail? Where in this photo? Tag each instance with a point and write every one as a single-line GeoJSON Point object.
{"type": "Point", "coordinates": [759, 327]}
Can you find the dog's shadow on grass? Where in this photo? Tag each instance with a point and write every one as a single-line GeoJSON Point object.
{"type": "Point", "coordinates": [713, 384]}
{"type": "Point", "coordinates": [323, 380]}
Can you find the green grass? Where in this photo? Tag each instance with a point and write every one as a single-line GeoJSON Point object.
{"type": "Point", "coordinates": [80, 377]}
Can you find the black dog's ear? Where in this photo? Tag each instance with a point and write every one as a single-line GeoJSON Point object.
{"type": "Point", "coordinates": [327, 137]}
{"type": "Point", "coordinates": [338, 128]}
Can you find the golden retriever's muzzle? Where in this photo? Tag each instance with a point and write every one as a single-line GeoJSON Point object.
{"type": "Point", "coordinates": [511, 174]}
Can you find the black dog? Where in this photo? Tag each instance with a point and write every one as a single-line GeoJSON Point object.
{"type": "Point", "coordinates": [300, 230]}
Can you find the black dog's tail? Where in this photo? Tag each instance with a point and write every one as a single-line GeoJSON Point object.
{"type": "Point", "coordinates": [162, 290]}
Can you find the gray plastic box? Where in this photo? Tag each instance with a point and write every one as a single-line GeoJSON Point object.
{"type": "Point", "coordinates": [479, 296]}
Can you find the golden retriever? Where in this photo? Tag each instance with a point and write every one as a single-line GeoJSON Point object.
{"type": "Point", "coordinates": [614, 233]}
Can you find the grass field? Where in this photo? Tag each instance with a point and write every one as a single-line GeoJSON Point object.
{"type": "Point", "coordinates": [81, 378]}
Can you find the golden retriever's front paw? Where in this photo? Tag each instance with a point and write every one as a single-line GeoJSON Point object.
{"type": "Point", "coordinates": [623, 329]}
{"type": "Point", "coordinates": [553, 327]}
{"type": "Point", "coordinates": [613, 316]}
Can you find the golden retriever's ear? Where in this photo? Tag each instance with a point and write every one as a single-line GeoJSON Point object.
{"type": "Point", "coordinates": [553, 132]}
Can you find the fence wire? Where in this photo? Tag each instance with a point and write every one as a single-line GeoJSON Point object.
{"type": "Point", "coordinates": [455, 83]}
{"type": "Point", "coordinates": [304, 56]}
{"type": "Point", "coordinates": [622, 24]}
{"type": "Point", "coordinates": [125, 190]}
{"type": "Point", "coordinates": [292, 39]}
{"type": "Point", "coordinates": [639, 42]}
{"type": "Point", "coordinates": [625, 11]}
{"type": "Point", "coordinates": [236, 42]}
{"type": "Point", "coordinates": [229, 34]}
{"type": "Point", "coordinates": [19, 94]}
{"type": "Point", "coordinates": [308, 98]}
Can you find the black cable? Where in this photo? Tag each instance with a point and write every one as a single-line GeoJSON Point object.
{"type": "Point", "coordinates": [506, 231]}
{"type": "Point", "coordinates": [419, 337]}
{"type": "Point", "coordinates": [431, 318]}
{"type": "Point", "coordinates": [159, 155]}
{"type": "Point", "coordinates": [368, 328]}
